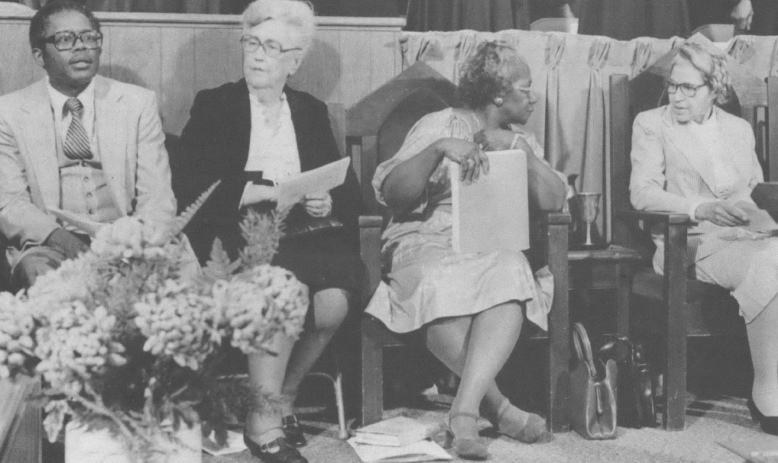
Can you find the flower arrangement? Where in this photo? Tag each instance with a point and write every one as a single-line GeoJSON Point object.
{"type": "Point", "coordinates": [129, 334]}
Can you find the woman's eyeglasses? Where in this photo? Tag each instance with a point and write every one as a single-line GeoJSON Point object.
{"type": "Point", "coordinates": [271, 48]}
{"type": "Point", "coordinates": [66, 40]}
{"type": "Point", "coordinates": [687, 89]}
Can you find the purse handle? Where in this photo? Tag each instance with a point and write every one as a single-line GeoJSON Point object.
{"type": "Point", "coordinates": [583, 348]}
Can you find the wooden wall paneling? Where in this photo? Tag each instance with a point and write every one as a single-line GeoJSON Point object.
{"type": "Point", "coordinates": [385, 59]}
{"type": "Point", "coordinates": [133, 54]}
{"type": "Point", "coordinates": [218, 57]}
{"type": "Point", "coordinates": [177, 78]}
{"type": "Point", "coordinates": [18, 68]}
{"type": "Point", "coordinates": [356, 83]}
{"type": "Point", "coordinates": [321, 69]}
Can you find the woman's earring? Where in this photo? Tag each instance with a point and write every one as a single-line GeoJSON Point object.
{"type": "Point", "coordinates": [498, 101]}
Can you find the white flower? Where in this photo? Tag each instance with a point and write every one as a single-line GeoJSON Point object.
{"type": "Point", "coordinates": [260, 303]}
{"type": "Point", "coordinates": [179, 323]}
{"type": "Point", "coordinates": [17, 327]}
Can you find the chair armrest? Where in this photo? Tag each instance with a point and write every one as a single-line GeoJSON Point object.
{"type": "Point", "coordinates": [555, 218]}
{"type": "Point", "coordinates": [370, 227]}
{"type": "Point", "coordinates": [663, 217]}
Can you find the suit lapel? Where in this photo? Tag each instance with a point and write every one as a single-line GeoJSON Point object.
{"type": "Point", "coordinates": [741, 154]}
{"type": "Point", "coordinates": [111, 127]}
{"type": "Point", "coordinates": [37, 129]}
{"type": "Point", "coordinates": [688, 148]}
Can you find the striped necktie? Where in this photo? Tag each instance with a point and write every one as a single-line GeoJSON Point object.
{"type": "Point", "coordinates": [77, 144]}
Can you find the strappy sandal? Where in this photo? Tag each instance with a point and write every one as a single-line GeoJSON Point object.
{"type": "Point", "coordinates": [532, 432]}
{"type": "Point", "coordinates": [465, 447]}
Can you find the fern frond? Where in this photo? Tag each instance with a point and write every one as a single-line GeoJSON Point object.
{"type": "Point", "coordinates": [183, 218]}
{"type": "Point", "coordinates": [262, 233]}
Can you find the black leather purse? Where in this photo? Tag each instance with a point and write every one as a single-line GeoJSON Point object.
{"type": "Point", "coordinates": [635, 391]}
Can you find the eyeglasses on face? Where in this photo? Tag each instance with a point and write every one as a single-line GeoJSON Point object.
{"type": "Point", "coordinates": [66, 40]}
{"type": "Point", "coordinates": [271, 48]}
{"type": "Point", "coordinates": [687, 89]}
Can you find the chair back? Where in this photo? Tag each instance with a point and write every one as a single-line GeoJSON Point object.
{"type": "Point", "coordinates": [716, 32]}
{"type": "Point", "coordinates": [569, 25]}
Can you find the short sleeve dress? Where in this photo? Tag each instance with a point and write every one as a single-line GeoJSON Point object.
{"type": "Point", "coordinates": [425, 279]}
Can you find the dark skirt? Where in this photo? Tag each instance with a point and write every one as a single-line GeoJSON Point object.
{"type": "Point", "coordinates": [322, 261]}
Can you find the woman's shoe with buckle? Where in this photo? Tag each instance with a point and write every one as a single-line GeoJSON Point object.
{"type": "Point", "coordinates": [468, 448]}
{"type": "Point", "coordinates": [276, 451]}
{"type": "Point", "coordinates": [291, 427]}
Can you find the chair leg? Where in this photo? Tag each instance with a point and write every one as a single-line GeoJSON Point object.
{"type": "Point", "coordinates": [372, 371]}
{"type": "Point", "coordinates": [337, 384]}
{"type": "Point", "coordinates": [674, 387]}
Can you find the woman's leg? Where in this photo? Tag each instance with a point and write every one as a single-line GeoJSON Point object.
{"type": "Point", "coordinates": [266, 375]}
{"type": "Point", "coordinates": [476, 348]}
{"type": "Point", "coordinates": [763, 343]}
{"type": "Point", "coordinates": [330, 307]}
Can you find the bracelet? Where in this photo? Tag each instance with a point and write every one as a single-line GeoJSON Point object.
{"type": "Point", "coordinates": [515, 141]}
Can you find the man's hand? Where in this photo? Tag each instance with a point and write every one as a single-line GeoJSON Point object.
{"type": "Point", "coordinates": [66, 243]}
{"type": "Point", "coordinates": [721, 213]}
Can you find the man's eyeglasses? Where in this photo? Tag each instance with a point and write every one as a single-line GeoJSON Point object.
{"type": "Point", "coordinates": [272, 48]}
{"type": "Point", "coordinates": [66, 40]}
{"type": "Point", "coordinates": [687, 89]}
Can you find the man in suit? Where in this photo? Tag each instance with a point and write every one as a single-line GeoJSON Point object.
{"type": "Point", "coordinates": [75, 141]}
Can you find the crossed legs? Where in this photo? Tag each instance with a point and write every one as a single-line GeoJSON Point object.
{"type": "Point", "coordinates": [277, 378]}
{"type": "Point", "coordinates": [476, 348]}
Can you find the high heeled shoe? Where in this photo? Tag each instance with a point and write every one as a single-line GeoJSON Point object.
{"type": "Point", "coordinates": [769, 424]}
{"type": "Point", "coordinates": [265, 452]}
{"type": "Point", "coordinates": [532, 432]}
{"type": "Point", "coordinates": [468, 448]}
{"type": "Point", "coordinates": [291, 427]}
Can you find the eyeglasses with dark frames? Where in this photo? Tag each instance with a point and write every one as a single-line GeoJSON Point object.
{"type": "Point", "coordinates": [271, 48]}
{"type": "Point", "coordinates": [686, 88]}
{"type": "Point", "coordinates": [66, 40]}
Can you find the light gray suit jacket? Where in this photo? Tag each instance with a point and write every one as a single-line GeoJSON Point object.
{"type": "Point", "coordinates": [672, 173]}
{"type": "Point", "coordinates": [131, 146]}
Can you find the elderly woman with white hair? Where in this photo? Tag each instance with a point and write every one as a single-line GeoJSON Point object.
{"type": "Point", "coordinates": [260, 124]}
{"type": "Point", "coordinates": [691, 157]}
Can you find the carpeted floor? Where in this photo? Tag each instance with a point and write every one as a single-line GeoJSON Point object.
{"type": "Point", "coordinates": [709, 421]}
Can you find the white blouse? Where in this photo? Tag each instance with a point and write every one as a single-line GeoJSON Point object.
{"type": "Point", "coordinates": [273, 144]}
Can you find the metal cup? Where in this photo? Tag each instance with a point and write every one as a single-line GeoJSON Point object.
{"type": "Point", "coordinates": [588, 206]}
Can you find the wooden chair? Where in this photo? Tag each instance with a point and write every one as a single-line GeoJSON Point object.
{"type": "Point", "coordinates": [716, 32]}
{"type": "Point", "coordinates": [398, 106]}
{"type": "Point", "coordinates": [674, 306]}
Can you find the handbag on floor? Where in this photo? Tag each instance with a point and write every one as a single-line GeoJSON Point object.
{"type": "Point", "coordinates": [591, 408]}
{"type": "Point", "coordinates": [635, 396]}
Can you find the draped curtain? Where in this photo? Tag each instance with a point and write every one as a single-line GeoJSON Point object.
{"type": "Point", "coordinates": [570, 77]}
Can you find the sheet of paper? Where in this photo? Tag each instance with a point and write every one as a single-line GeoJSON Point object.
{"type": "Point", "coordinates": [84, 224]}
{"type": "Point", "coordinates": [492, 213]}
{"type": "Point", "coordinates": [424, 450]}
{"type": "Point", "coordinates": [759, 220]}
{"type": "Point", "coordinates": [234, 444]}
{"type": "Point", "coordinates": [318, 180]}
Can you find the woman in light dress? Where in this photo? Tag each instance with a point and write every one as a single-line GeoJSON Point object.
{"type": "Point", "coordinates": [471, 306]}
